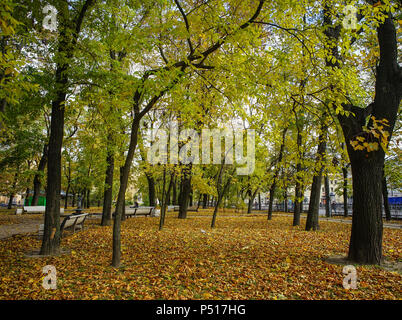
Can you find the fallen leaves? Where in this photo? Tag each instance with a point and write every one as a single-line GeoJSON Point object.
{"type": "Point", "coordinates": [241, 258]}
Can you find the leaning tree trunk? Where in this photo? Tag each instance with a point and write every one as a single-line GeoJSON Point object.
{"type": "Point", "coordinates": [124, 174]}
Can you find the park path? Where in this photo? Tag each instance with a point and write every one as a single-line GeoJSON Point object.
{"type": "Point", "coordinates": [27, 225]}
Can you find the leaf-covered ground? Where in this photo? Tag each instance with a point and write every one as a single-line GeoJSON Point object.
{"type": "Point", "coordinates": [243, 258]}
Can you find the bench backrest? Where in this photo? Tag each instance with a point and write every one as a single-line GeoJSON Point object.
{"type": "Point", "coordinates": [143, 210]}
{"type": "Point", "coordinates": [38, 209]}
{"type": "Point", "coordinates": [140, 210]}
{"type": "Point", "coordinates": [74, 219]}
{"type": "Point", "coordinates": [35, 209]}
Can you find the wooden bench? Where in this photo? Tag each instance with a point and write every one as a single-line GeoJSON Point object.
{"type": "Point", "coordinates": [74, 222]}
{"type": "Point", "coordinates": [192, 208]}
{"type": "Point", "coordinates": [34, 209]}
{"type": "Point", "coordinates": [140, 211]}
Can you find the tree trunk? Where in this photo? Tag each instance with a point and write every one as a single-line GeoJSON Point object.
{"type": "Point", "coordinates": [250, 201]}
{"type": "Point", "coordinates": [108, 191]}
{"type": "Point", "coordinates": [151, 189]}
{"type": "Point", "coordinates": [36, 181]}
{"type": "Point", "coordinates": [185, 188]}
{"type": "Point", "coordinates": [276, 174]}
{"type": "Point", "coordinates": [88, 198]}
{"type": "Point", "coordinates": [174, 192]}
{"type": "Point", "coordinates": [327, 197]}
{"type": "Point", "coordinates": [366, 237]}
{"type": "Point", "coordinates": [26, 196]}
{"type": "Point", "coordinates": [385, 197]}
{"type": "Point", "coordinates": [315, 195]}
{"type": "Point", "coordinates": [51, 235]}
{"type": "Point", "coordinates": [205, 201]}
{"type": "Point", "coordinates": [10, 201]}
{"type": "Point", "coordinates": [164, 198]}
{"type": "Point", "coordinates": [297, 207]}
{"type": "Point", "coordinates": [345, 191]}
{"type": "Point", "coordinates": [271, 199]}
{"type": "Point", "coordinates": [120, 204]}
{"type": "Point", "coordinates": [66, 198]}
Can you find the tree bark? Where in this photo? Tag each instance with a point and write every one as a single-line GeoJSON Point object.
{"type": "Point", "coordinates": [67, 41]}
{"type": "Point", "coordinates": [151, 189]}
{"type": "Point", "coordinates": [185, 188]}
{"type": "Point", "coordinates": [276, 174]}
{"type": "Point", "coordinates": [315, 195]}
{"type": "Point", "coordinates": [205, 201]}
{"type": "Point", "coordinates": [120, 205]}
{"type": "Point", "coordinates": [108, 191]}
{"type": "Point", "coordinates": [345, 191]}
{"type": "Point", "coordinates": [327, 197]}
{"type": "Point", "coordinates": [385, 197]}
{"type": "Point", "coordinates": [366, 237]}
{"type": "Point", "coordinates": [39, 173]}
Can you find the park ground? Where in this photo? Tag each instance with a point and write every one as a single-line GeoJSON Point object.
{"type": "Point", "coordinates": [244, 257]}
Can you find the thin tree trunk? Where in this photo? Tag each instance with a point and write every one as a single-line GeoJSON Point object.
{"type": "Point", "coordinates": [385, 197]}
{"type": "Point", "coordinates": [315, 195]}
{"type": "Point", "coordinates": [327, 197]}
{"type": "Point", "coordinates": [205, 201]}
{"type": "Point", "coordinates": [151, 189]}
{"type": "Point", "coordinates": [88, 198]}
{"type": "Point", "coordinates": [345, 191]}
{"type": "Point", "coordinates": [164, 198]}
{"type": "Point", "coordinates": [108, 191]}
{"type": "Point", "coordinates": [120, 204]}
{"type": "Point", "coordinates": [36, 182]}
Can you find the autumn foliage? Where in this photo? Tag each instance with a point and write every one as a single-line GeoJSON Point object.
{"type": "Point", "coordinates": [244, 257]}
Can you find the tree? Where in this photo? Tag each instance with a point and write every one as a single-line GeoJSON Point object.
{"type": "Point", "coordinates": [365, 137]}
{"type": "Point", "coordinates": [70, 25]}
